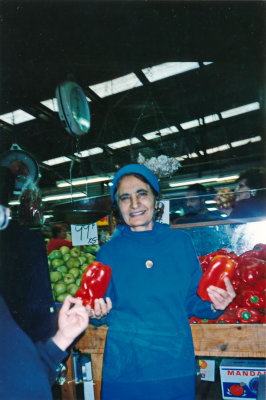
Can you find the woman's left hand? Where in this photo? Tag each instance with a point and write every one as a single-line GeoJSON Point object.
{"type": "Point", "coordinates": [221, 298]}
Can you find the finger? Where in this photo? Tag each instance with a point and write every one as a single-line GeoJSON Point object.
{"type": "Point", "coordinates": [109, 304]}
{"type": "Point", "coordinates": [229, 287]}
{"type": "Point", "coordinates": [66, 304]}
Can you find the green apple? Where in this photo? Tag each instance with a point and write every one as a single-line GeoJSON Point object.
{"type": "Point", "coordinates": [93, 248]}
{"type": "Point", "coordinates": [72, 289]}
{"type": "Point", "coordinates": [55, 276]}
{"type": "Point", "coordinates": [62, 268]}
{"type": "Point", "coordinates": [66, 256]}
{"type": "Point", "coordinates": [69, 278]}
{"type": "Point", "coordinates": [64, 250]}
{"type": "Point", "coordinates": [90, 257]}
{"type": "Point", "coordinates": [56, 262]}
{"type": "Point", "coordinates": [73, 262]}
{"type": "Point", "coordinates": [75, 251]}
{"type": "Point", "coordinates": [74, 271]}
{"type": "Point", "coordinates": [84, 267]}
{"type": "Point", "coordinates": [61, 297]}
{"type": "Point", "coordinates": [82, 259]}
{"type": "Point", "coordinates": [78, 282]}
{"type": "Point", "coordinates": [55, 254]}
{"type": "Point", "coordinates": [60, 288]}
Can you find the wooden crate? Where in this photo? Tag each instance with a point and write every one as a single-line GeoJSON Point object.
{"type": "Point", "coordinates": [222, 340]}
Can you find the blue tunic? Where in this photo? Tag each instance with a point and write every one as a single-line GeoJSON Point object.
{"type": "Point", "coordinates": [149, 349]}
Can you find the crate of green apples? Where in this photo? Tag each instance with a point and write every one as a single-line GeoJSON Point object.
{"type": "Point", "coordinates": [66, 268]}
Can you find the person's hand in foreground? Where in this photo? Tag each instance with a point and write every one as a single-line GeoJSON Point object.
{"type": "Point", "coordinates": [221, 298]}
{"type": "Point", "coordinates": [72, 321]}
{"type": "Point", "coordinates": [101, 308]}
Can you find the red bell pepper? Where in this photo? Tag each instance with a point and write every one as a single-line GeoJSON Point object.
{"type": "Point", "coordinates": [228, 317]}
{"type": "Point", "coordinates": [263, 319]}
{"type": "Point", "coordinates": [246, 315]}
{"type": "Point", "coordinates": [220, 266]}
{"type": "Point", "coordinates": [94, 283]}
{"type": "Point", "coordinates": [262, 248]}
{"type": "Point", "coordinates": [251, 298]}
{"type": "Point", "coordinates": [251, 269]}
{"type": "Point", "coordinates": [261, 285]}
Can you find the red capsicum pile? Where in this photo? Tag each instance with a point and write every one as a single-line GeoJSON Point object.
{"type": "Point", "coordinates": [247, 273]}
{"type": "Point", "coordinates": [94, 283]}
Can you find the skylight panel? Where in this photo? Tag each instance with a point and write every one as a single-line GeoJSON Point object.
{"type": "Point", "coordinates": [51, 104]}
{"type": "Point", "coordinates": [58, 160]}
{"type": "Point", "coordinates": [211, 118]}
{"type": "Point", "coordinates": [89, 152]}
{"type": "Point", "coordinates": [165, 70]}
{"type": "Point", "coordinates": [162, 132]}
{"type": "Point", "coordinates": [246, 141]}
{"type": "Point", "coordinates": [218, 148]}
{"type": "Point", "coordinates": [241, 110]}
{"type": "Point", "coordinates": [116, 85]}
{"type": "Point", "coordinates": [123, 143]}
{"type": "Point", "coordinates": [190, 124]}
{"type": "Point", "coordinates": [16, 117]}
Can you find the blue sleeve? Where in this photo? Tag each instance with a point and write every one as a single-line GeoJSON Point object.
{"type": "Point", "coordinates": [194, 304]}
{"type": "Point", "coordinates": [51, 357]}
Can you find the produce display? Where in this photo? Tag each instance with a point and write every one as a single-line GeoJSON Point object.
{"type": "Point", "coordinates": [94, 283]}
{"type": "Point", "coordinates": [67, 266]}
{"type": "Point", "coordinates": [247, 273]}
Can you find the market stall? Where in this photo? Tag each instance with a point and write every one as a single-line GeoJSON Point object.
{"type": "Point", "coordinates": [245, 340]}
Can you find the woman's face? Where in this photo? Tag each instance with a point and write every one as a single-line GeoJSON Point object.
{"type": "Point", "coordinates": [136, 203]}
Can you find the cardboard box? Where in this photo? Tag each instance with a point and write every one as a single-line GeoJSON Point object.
{"type": "Point", "coordinates": [207, 369]}
{"type": "Point", "coordinates": [240, 378]}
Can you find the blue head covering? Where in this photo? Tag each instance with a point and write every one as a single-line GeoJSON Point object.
{"type": "Point", "coordinates": [135, 169]}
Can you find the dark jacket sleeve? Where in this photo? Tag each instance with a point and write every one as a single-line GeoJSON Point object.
{"type": "Point", "coordinates": [51, 357]}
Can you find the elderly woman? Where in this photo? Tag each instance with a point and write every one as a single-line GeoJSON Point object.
{"type": "Point", "coordinates": [155, 274]}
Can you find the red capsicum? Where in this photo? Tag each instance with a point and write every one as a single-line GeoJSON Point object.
{"type": "Point", "coordinates": [228, 317]}
{"type": "Point", "coordinates": [251, 298]}
{"type": "Point", "coordinates": [261, 285]}
{"type": "Point", "coordinates": [251, 269]}
{"type": "Point", "coordinates": [220, 266]}
{"type": "Point", "coordinates": [246, 315]}
{"type": "Point", "coordinates": [94, 283]}
{"type": "Point", "coordinates": [262, 250]}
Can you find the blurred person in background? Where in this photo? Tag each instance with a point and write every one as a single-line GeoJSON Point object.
{"type": "Point", "coordinates": [59, 238]}
{"type": "Point", "coordinates": [250, 194]}
{"type": "Point", "coordinates": [195, 206]}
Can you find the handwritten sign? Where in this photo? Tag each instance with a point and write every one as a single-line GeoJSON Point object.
{"type": "Point", "coordinates": [84, 234]}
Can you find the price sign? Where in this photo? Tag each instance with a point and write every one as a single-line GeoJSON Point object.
{"type": "Point", "coordinates": [84, 234]}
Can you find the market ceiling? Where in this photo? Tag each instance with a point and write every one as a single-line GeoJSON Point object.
{"type": "Point", "coordinates": [44, 43]}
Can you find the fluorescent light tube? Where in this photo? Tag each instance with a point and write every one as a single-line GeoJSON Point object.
{"type": "Point", "coordinates": [83, 181]}
{"type": "Point", "coordinates": [63, 196]}
{"type": "Point", "coordinates": [165, 70]}
{"type": "Point", "coordinates": [204, 180]}
{"type": "Point", "coordinates": [116, 85]}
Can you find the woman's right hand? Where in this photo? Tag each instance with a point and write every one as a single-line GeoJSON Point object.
{"type": "Point", "coordinates": [101, 308]}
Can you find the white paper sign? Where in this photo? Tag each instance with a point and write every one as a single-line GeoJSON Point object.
{"type": "Point", "coordinates": [84, 234]}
